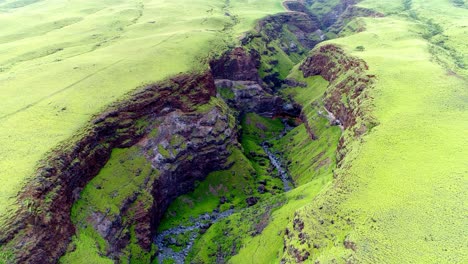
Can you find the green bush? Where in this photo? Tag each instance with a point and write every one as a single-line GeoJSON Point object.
{"type": "Point", "coordinates": [360, 48]}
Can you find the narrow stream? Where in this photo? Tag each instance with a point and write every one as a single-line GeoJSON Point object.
{"type": "Point", "coordinates": [276, 162]}
{"type": "Point", "coordinates": [287, 184]}
{"type": "Point", "coordinates": [167, 238]}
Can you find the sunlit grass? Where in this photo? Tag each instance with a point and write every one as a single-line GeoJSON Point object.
{"type": "Point", "coordinates": [63, 61]}
{"type": "Point", "coordinates": [409, 174]}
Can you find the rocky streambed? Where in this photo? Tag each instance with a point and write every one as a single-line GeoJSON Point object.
{"type": "Point", "coordinates": [282, 172]}
{"type": "Point", "coordinates": [276, 160]}
{"type": "Point", "coordinates": [167, 239]}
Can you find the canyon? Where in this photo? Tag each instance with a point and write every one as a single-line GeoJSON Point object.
{"type": "Point", "coordinates": [207, 165]}
{"type": "Point", "coordinates": [170, 107]}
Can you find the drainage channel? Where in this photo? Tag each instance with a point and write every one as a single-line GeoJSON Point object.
{"type": "Point", "coordinates": [276, 161]}
{"type": "Point", "coordinates": [166, 238]}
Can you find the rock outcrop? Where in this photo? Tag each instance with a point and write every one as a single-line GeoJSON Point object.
{"type": "Point", "coordinates": [42, 228]}
{"type": "Point", "coordinates": [348, 85]}
{"type": "Point", "coordinates": [240, 86]}
{"type": "Point", "coordinates": [238, 64]}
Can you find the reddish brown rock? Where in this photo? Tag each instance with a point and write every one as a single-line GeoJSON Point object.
{"type": "Point", "coordinates": [41, 230]}
{"type": "Point", "coordinates": [238, 64]}
{"type": "Point", "coordinates": [331, 62]}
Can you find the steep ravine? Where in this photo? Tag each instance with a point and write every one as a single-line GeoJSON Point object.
{"type": "Point", "coordinates": [178, 153]}
{"type": "Point", "coordinates": [304, 149]}
{"type": "Point", "coordinates": [43, 225]}
{"type": "Point", "coordinates": [347, 78]}
{"type": "Point", "coordinates": [329, 62]}
{"type": "Point", "coordinates": [175, 243]}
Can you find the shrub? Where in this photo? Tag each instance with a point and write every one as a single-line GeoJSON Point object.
{"type": "Point", "coordinates": [360, 48]}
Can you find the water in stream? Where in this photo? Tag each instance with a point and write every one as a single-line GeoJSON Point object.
{"type": "Point", "coordinates": [287, 184]}
{"type": "Point", "coordinates": [166, 238]}
{"type": "Point", "coordinates": [276, 162]}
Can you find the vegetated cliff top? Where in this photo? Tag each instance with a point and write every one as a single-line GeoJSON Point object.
{"type": "Point", "coordinates": [401, 190]}
{"type": "Point", "coordinates": [64, 61]}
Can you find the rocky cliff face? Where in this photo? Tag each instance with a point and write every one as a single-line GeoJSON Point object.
{"type": "Point", "coordinates": [194, 145]}
{"type": "Point", "coordinates": [185, 148]}
{"type": "Point", "coordinates": [348, 85]}
{"type": "Point", "coordinates": [241, 87]}
{"type": "Point", "coordinates": [42, 228]}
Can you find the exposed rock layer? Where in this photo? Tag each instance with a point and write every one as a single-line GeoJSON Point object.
{"type": "Point", "coordinates": [42, 228]}
{"type": "Point", "coordinates": [348, 80]}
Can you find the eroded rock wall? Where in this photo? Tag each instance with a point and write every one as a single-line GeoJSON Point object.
{"type": "Point", "coordinates": [347, 93]}
{"type": "Point", "coordinates": [42, 228]}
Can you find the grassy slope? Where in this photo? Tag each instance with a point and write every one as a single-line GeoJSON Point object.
{"type": "Point", "coordinates": [408, 177]}
{"type": "Point", "coordinates": [125, 175]}
{"type": "Point", "coordinates": [63, 61]}
{"type": "Point", "coordinates": [310, 174]}
{"type": "Point", "coordinates": [237, 183]}
{"type": "Point", "coordinates": [320, 153]}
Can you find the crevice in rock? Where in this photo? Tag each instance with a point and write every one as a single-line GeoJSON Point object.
{"type": "Point", "coordinates": [42, 228]}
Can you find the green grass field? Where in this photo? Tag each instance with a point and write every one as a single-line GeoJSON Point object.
{"type": "Point", "coordinates": [61, 62]}
{"type": "Point", "coordinates": [405, 182]}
